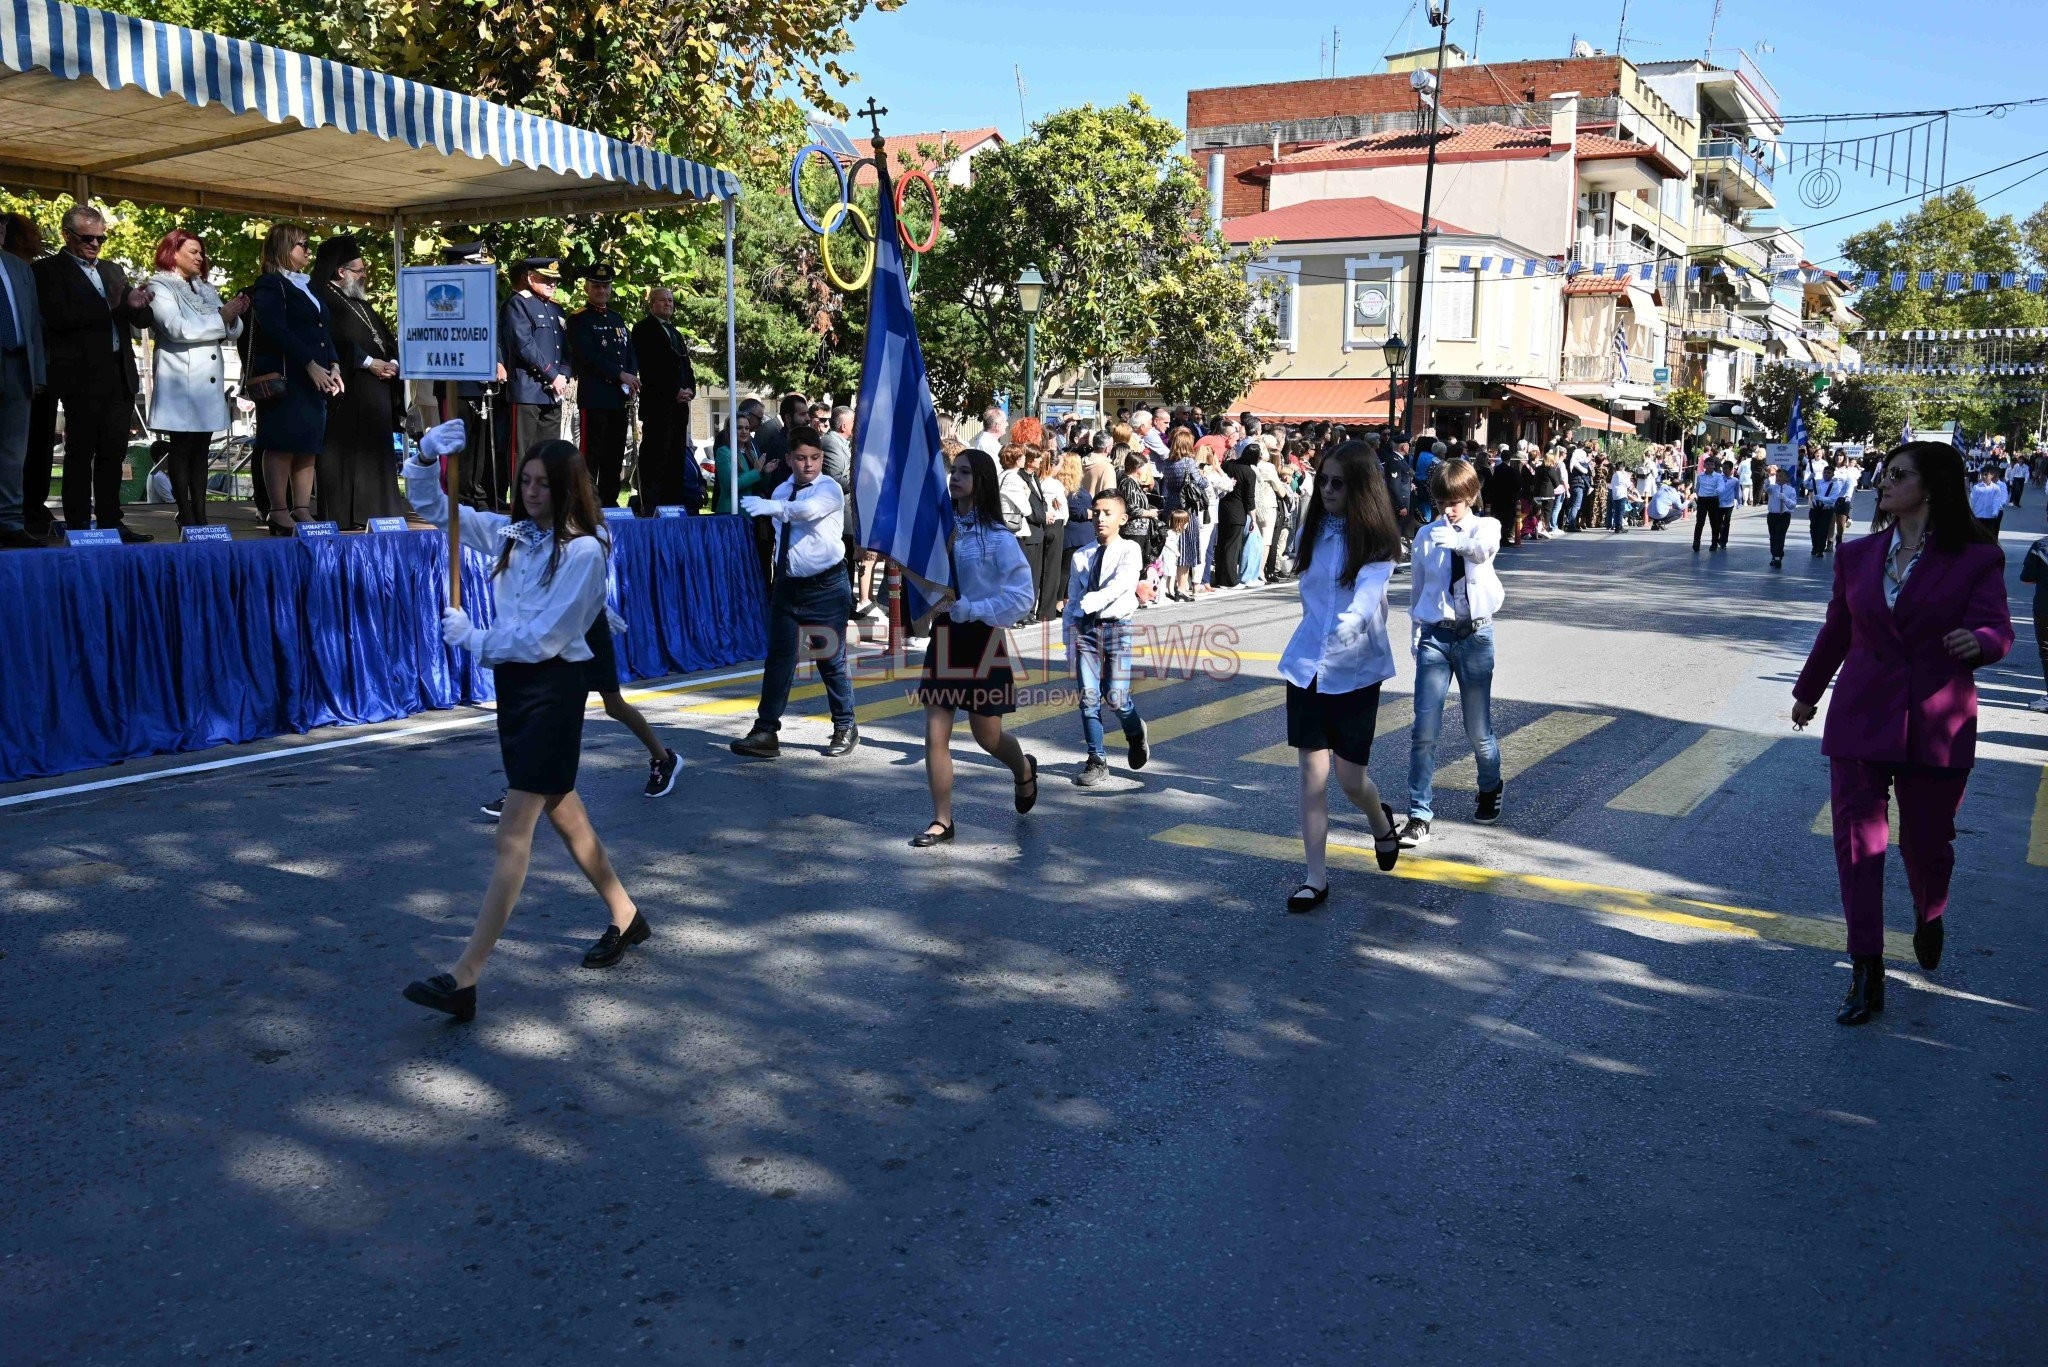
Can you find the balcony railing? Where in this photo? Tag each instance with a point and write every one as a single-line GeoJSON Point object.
{"type": "Point", "coordinates": [1731, 149]}
{"type": "Point", "coordinates": [1613, 252]}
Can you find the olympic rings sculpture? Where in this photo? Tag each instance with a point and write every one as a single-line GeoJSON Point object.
{"type": "Point", "coordinates": [845, 211]}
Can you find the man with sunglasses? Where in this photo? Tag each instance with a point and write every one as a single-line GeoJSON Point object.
{"type": "Point", "coordinates": [88, 307]}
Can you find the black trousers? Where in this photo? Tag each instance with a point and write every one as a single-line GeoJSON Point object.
{"type": "Point", "coordinates": [1821, 523]}
{"type": "Point", "coordinates": [484, 476]}
{"type": "Point", "coordinates": [1780, 523]}
{"type": "Point", "coordinates": [1991, 524]}
{"type": "Point", "coordinates": [1723, 517]}
{"type": "Point", "coordinates": [2041, 641]}
{"type": "Point", "coordinates": [2015, 487]}
{"type": "Point", "coordinates": [1229, 551]}
{"type": "Point", "coordinates": [531, 425]}
{"type": "Point", "coordinates": [1049, 569]}
{"type": "Point", "coordinates": [95, 444]}
{"type": "Point", "coordinates": [186, 465]}
{"type": "Point", "coordinates": [667, 473]}
{"type": "Point", "coordinates": [1703, 518]}
{"type": "Point", "coordinates": [41, 463]}
{"type": "Point", "coordinates": [604, 451]}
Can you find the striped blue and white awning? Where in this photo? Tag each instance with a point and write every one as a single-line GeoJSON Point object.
{"type": "Point", "coordinates": [220, 130]}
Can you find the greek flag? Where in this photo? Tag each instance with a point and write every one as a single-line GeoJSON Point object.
{"type": "Point", "coordinates": [1962, 442]}
{"type": "Point", "coordinates": [900, 472]}
{"type": "Point", "coordinates": [1621, 351]}
{"type": "Point", "coordinates": [1795, 430]}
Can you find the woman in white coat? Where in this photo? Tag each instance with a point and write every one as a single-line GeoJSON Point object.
{"type": "Point", "coordinates": [187, 402]}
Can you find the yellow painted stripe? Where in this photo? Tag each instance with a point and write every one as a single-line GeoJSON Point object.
{"type": "Point", "coordinates": [2037, 841]}
{"type": "Point", "coordinates": [1694, 774]}
{"type": "Point", "coordinates": [1824, 823]}
{"type": "Point", "coordinates": [1233, 708]}
{"type": "Point", "coordinates": [1525, 747]}
{"type": "Point", "coordinates": [1395, 715]}
{"type": "Point", "coordinates": [903, 701]}
{"type": "Point", "coordinates": [1596, 898]}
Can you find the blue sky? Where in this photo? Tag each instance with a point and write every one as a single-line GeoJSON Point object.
{"type": "Point", "coordinates": [948, 63]}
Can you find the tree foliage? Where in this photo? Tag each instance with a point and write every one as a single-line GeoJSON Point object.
{"type": "Point", "coordinates": [1686, 407]}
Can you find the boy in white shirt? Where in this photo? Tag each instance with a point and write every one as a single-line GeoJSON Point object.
{"type": "Point", "coordinates": [1830, 496]}
{"type": "Point", "coordinates": [1102, 597]}
{"type": "Point", "coordinates": [1988, 498]}
{"type": "Point", "coordinates": [1707, 491]}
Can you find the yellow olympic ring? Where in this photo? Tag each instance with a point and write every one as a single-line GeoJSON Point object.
{"type": "Point", "coordinates": [867, 231]}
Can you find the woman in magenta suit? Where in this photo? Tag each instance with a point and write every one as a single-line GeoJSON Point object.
{"type": "Point", "coordinates": [1918, 605]}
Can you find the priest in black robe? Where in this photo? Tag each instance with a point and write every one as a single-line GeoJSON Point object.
{"type": "Point", "coordinates": [358, 471]}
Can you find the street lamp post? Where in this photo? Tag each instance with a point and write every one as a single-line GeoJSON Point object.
{"type": "Point", "coordinates": [1396, 352]}
{"type": "Point", "coordinates": [1030, 298]}
{"type": "Point", "coordinates": [1439, 19]}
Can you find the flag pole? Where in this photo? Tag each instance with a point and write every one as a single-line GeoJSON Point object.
{"type": "Point", "coordinates": [894, 583]}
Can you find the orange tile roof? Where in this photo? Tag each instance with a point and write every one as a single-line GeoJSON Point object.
{"type": "Point", "coordinates": [1474, 142]}
{"type": "Point", "coordinates": [1334, 220]}
{"type": "Point", "coordinates": [1590, 284]}
{"type": "Point", "coordinates": [907, 149]}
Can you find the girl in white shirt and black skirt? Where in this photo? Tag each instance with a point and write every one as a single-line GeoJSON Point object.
{"type": "Point", "coordinates": [1339, 655]}
{"type": "Point", "coordinates": [967, 667]}
{"type": "Point", "coordinates": [549, 582]}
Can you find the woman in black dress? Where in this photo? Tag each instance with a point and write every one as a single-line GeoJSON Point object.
{"type": "Point", "coordinates": [290, 348]}
{"type": "Point", "coordinates": [358, 475]}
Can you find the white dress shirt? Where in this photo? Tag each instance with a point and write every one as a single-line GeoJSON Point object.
{"type": "Point", "coordinates": [1781, 498]}
{"type": "Point", "coordinates": [1829, 493]}
{"type": "Point", "coordinates": [539, 617]}
{"type": "Point", "coordinates": [1341, 644]}
{"type": "Point", "coordinates": [1478, 594]}
{"type": "Point", "coordinates": [1117, 599]}
{"type": "Point", "coordinates": [1730, 490]}
{"type": "Point", "coordinates": [990, 575]}
{"type": "Point", "coordinates": [814, 520]}
{"type": "Point", "coordinates": [1620, 488]}
{"type": "Point", "coordinates": [1708, 487]}
{"type": "Point", "coordinates": [1988, 500]}
{"type": "Point", "coordinates": [989, 442]}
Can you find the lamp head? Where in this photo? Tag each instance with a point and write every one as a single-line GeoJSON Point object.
{"type": "Point", "coordinates": [1030, 292]}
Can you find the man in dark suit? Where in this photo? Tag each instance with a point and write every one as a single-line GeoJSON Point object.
{"type": "Point", "coordinates": [668, 470]}
{"type": "Point", "coordinates": [21, 375]}
{"type": "Point", "coordinates": [601, 352]}
{"type": "Point", "coordinates": [472, 401]}
{"type": "Point", "coordinates": [535, 338]}
{"type": "Point", "coordinates": [88, 308]}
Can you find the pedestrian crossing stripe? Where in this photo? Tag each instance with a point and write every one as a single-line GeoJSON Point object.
{"type": "Point", "coordinates": [1824, 823]}
{"type": "Point", "coordinates": [1679, 785]}
{"type": "Point", "coordinates": [1594, 898]}
{"type": "Point", "coordinates": [1397, 714]}
{"type": "Point", "coordinates": [1526, 747]}
{"type": "Point", "coordinates": [1233, 708]}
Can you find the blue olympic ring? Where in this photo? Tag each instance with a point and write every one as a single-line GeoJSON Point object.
{"type": "Point", "coordinates": [796, 173]}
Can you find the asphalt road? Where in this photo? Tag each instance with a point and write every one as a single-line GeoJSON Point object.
{"type": "Point", "coordinates": [1074, 1090]}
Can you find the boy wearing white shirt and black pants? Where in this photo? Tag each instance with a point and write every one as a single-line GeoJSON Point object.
{"type": "Point", "coordinates": [1781, 500]}
{"type": "Point", "coordinates": [1828, 493]}
{"type": "Point", "coordinates": [1706, 503]}
{"type": "Point", "coordinates": [1102, 597]}
{"type": "Point", "coordinates": [811, 592]}
{"type": "Point", "coordinates": [1988, 499]}
{"type": "Point", "coordinates": [1455, 594]}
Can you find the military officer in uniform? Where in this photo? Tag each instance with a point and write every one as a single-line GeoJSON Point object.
{"type": "Point", "coordinates": [607, 376]}
{"type": "Point", "coordinates": [486, 480]}
{"type": "Point", "coordinates": [536, 353]}
{"type": "Point", "coordinates": [668, 470]}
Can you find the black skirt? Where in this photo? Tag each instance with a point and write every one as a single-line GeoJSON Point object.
{"type": "Point", "coordinates": [967, 667]}
{"type": "Point", "coordinates": [540, 724]}
{"type": "Point", "coordinates": [1342, 722]}
{"type": "Point", "coordinates": [603, 665]}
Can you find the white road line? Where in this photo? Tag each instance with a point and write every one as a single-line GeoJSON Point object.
{"type": "Point", "coordinates": [295, 751]}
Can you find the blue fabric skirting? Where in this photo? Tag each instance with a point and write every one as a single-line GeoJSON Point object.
{"type": "Point", "coordinates": [121, 652]}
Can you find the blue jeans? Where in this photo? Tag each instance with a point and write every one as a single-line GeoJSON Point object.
{"type": "Point", "coordinates": [1099, 651]}
{"type": "Point", "coordinates": [1440, 653]}
{"type": "Point", "coordinates": [823, 601]}
{"type": "Point", "coordinates": [1577, 503]}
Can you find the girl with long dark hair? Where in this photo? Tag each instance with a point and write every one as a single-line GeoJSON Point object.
{"type": "Point", "coordinates": [1339, 655]}
{"type": "Point", "coordinates": [1917, 608]}
{"type": "Point", "coordinates": [967, 666]}
{"type": "Point", "coordinates": [549, 578]}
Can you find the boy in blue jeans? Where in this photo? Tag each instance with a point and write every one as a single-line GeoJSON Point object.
{"type": "Point", "coordinates": [1102, 597]}
{"type": "Point", "coordinates": [1456, 593]}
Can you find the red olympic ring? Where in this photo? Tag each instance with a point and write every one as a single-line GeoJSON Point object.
{"type": "Point", "coordinates": [903, 183]}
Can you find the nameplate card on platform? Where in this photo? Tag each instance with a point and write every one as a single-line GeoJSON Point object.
{"type": "Point", "coordinates": [309, 530]}
{"type": "Point", "coordinates": [618, 514]}
{"type": "Point", "coordinates": [669, 510]}
{"type": "Point", "coordinates": [387, 524]}
{"type": "Point", "coordinates": [96, 536]}
{"type": "Point", "coordinates": [206, 534]}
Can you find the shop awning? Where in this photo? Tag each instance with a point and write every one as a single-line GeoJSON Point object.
{"type": "Point", "coordinates": [1583, 413]}
{"type": "Point", "coordinates": [99, 104]}
{"type": "Point", "coordinates": [1313, 400]}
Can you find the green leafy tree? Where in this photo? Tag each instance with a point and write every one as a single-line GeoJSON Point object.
{"type": "Point", "coordinates": [1868, 409]}
{"type": "Point", "coordinates": [1770, 393]}
{"type": "Point", "coordinates": [1686, 407]}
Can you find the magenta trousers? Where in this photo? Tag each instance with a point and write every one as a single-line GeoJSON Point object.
{"type": "Point", "coordinates": [1928, 801]}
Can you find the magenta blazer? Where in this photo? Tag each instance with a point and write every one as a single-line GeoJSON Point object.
{"type": "Point", "coordinates": [1902, 698]}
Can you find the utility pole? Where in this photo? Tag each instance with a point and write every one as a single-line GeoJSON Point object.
{"type": "Point", "coordinates": [1478, 27]}
{"type": "Point", "coordinates": [1621, 33]}
{"type": "Point", "coordinates": [1336, 42]}
{"type": "Point", "coordinates": [1440, 19]}
{"type": "Point", "coordinates": [1023, 120]}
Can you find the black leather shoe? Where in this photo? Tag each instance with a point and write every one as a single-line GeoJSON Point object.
{"type": "Point", "coordinates": [441, 994]}
{"type": "Point", "coordinates": [759, 745]}
{"type": "Point", "coordinates": [1308, 897]}
{"type": "Point", "coordinates": [613, 944]}
{"type": "Point", "coordinates": [1026, 800]}
{"type": "Point", "coordinates": [130, 537]}
{"type": "Point", "coordinates": [1866, 991]}
{"type": "Point", "coordinates": [1927, 938]}
{"type": "Point", "coordinates": [13, 540]}
{"type": "Point", "coordinates": [1386, 850]}
{"type": "Point", "coordinates": [845, 740]}
{"type": "Point", "coordinates": [938, 833]}
{"type": "Point", "coordinates": [1141, 745]}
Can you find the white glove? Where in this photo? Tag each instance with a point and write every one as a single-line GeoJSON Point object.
{"type": "Point", "coordinates": [458, 631]}
{"type": "Point", "coordinates": [1446, 538]}
{"type": "Point", "coordinates": [1347, 635]}
{"type": "Point", "coordinates": [443, 440]}
{"type": "Point", "coordinates": [754, 507]}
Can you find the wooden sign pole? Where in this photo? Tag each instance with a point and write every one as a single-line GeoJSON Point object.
{"type": "Point", "coordinates": [454, 482]}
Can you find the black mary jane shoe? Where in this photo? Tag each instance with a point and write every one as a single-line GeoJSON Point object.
{"type": "Point", "coordinates": [1387, 848]}
{"type": "Point", "coordinates": [1026, 803]}
{"type": "Point", "coordinates": [938, 833]}
{"type": "Point", "coordinates": [1308, 897]}
{"type": "Point", "coordinates": [613, 944]}
{"type": "Point", "coordinates": [1927, 938]}
{"type": "Point", "coordinates": [439, 993]}
{"type": "Point", "coordinates": [1866, 991]}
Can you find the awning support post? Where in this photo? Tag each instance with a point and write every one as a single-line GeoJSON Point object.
{"type": "Point", "coordinates": [732, 363]}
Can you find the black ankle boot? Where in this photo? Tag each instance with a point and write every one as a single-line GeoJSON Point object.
{"type": "Point", "coordinates": [1927, 938]}
{"type": "Point", "coordinates": [1866, 991]}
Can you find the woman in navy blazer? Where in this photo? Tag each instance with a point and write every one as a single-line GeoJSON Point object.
{"type": "Point", "coordinates": [1917, 607]}
{"type": "Point", "coordinates": [291, 339]}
